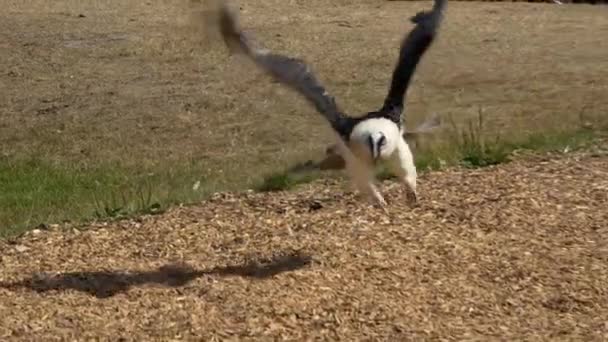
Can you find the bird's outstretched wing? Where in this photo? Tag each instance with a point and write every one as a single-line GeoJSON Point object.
{"type": "Point", "coordinates": [413, 47]}
{"type": "Point", "coordinates": [293, 72]}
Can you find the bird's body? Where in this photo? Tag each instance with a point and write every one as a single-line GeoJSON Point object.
{"type": "Point", "coordinates": [360, 141]}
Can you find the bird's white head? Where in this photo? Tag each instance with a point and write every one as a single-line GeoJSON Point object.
{"type": "Point", "coordinates": [376, 138]}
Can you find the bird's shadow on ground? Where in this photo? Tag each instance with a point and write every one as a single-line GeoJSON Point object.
{"type": "Point", "coordinates": [109, 283]}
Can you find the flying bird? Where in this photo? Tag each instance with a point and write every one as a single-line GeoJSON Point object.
{"type": "Point", "coordinates": [361, 141]}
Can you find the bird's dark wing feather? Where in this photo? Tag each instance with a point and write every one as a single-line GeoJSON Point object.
{"type": "Point", "coordinates": [413, 47]}
{"type": "Point", "coordinates": [292, 72]}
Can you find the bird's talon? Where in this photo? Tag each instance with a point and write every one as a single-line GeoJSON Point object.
{"type": "Point", "coordinates": [412, 197]}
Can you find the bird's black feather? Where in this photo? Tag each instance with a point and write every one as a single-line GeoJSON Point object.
{"type": "Point", "coordinates": [413, 47]}
{"type": "Point", "coordinates": [296, 74]}
{"type": "Point", "coordinates": [290, 71]}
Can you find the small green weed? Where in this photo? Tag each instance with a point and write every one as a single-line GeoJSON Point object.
{"type": "Point", "coordinates": [281, 181]}
{"type": "Point", "coordinates": [474, 148]}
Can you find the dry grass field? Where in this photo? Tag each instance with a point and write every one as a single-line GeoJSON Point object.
{"type": "Point", "coordinates": [113, 108]}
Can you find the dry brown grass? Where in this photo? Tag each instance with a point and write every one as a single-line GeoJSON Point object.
{"type": "Point", "coordinates": [136, 87]}
{"type": "Point", "coordinates": [133, 82]}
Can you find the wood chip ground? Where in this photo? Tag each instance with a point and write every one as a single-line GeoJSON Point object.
{"type": "Point", "coordinates": [513, 252]}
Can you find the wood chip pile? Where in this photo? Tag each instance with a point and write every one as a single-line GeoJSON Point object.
{"type": "Point", "coordinates": [517, 251]}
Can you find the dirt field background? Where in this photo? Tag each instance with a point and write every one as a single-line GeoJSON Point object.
{"type": "Point", "coordinates": [101, 101]}
{"type": "Point", "coordinates": [115, 96]}
{"type": "Point", "coordinates": [514, 252]}
{"type": "Point", "coordinates": [135, 82]}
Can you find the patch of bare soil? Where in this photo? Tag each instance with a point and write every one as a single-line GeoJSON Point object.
{"type": "Point", "coordinates": [517, 251]}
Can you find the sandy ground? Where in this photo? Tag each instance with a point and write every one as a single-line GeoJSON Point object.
{"type": "Point", "coordinates": [516, 252]}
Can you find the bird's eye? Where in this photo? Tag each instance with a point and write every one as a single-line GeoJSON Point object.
{"type": "Point", "coordinates": [382, 140]}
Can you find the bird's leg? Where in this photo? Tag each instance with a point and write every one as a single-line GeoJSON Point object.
{"type": "Point", "coordinates": [362, 176]}
{"type": "Point", "coordinates": [362, 179]}
{"type": "Point", "coordinates": [365, 183]}
{"type": "Point", "coordinates": [403, 165]}
{"type": "Point", "coordinates": [372, 191]}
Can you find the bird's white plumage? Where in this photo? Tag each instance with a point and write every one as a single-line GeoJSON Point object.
{"type": "Point", "coordinates": [395, 152]}
{"type": "Point", "coordinates": [375, 128]}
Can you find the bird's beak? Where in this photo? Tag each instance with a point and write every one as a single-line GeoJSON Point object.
{"type": "Point", "coordinates": [376, 156]}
